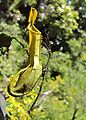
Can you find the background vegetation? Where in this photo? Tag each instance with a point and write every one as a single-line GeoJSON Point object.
{"type": "Point", "coordinates": [63, 26]}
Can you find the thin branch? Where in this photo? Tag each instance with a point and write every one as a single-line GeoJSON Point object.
{"type": "Point", "coordinates": [21, 45]}
{"type": "Point", "coordinates": [39, 3]}
{"type": "Point", "coordinates": [42, 99]}
{"type": "Point", "coordinates": [29, 111]}
{"type": "Point", "coordinates": [41, 85]}
{"type": "Point", "coordinates": [74, 113]}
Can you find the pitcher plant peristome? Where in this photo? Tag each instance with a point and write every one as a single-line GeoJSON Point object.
{"type": "Point", "coordinates": [24, 81]}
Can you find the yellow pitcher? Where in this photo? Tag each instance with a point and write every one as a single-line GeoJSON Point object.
{"type": "Point", "coordinates": [25, 80]}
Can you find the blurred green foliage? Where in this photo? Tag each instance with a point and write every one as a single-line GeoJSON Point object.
{"type": "Point", "coordinates": [63, 27]}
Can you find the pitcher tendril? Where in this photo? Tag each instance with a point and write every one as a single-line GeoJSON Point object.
{"type": "Point", "coordinates": [25, 80]}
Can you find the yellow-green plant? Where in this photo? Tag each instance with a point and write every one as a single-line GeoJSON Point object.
{"type": "Point", "coordinates": [24, 81]}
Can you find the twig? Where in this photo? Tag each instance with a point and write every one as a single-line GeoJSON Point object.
{"type": "Point", "coordinates": [39, 3]}
{"type": "Point", "coordinates": [74, 113]}
{"type": "Point", "coordinates": [21, 45]}
{"type": "Point", "coordinates": [31, 108]}
{"type": "Point", "coordinates": [42, 99]}
{"type": "Point", "coordinates": [41, 85]}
